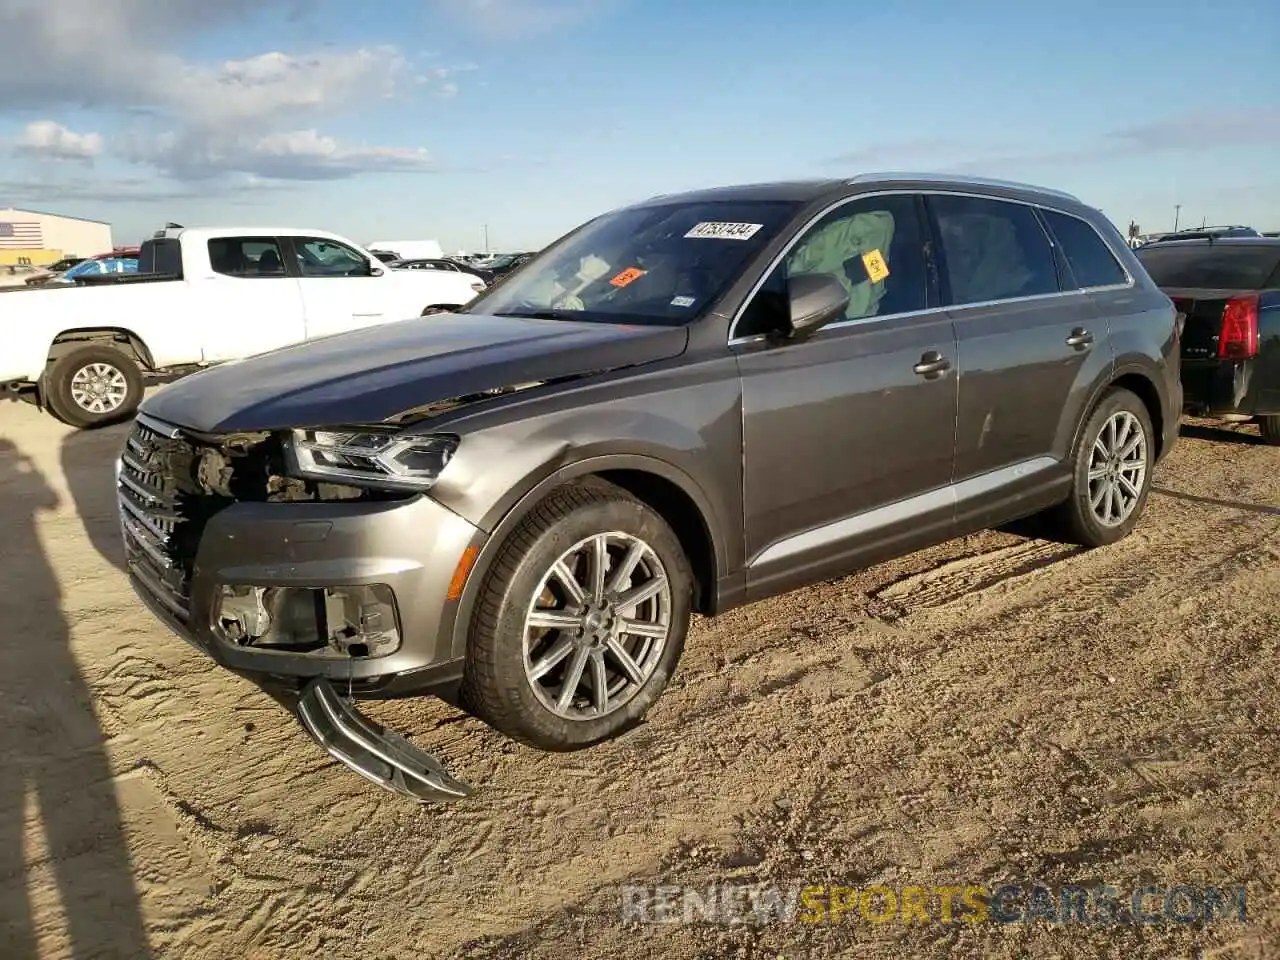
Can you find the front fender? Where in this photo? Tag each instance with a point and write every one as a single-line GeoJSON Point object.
{"type": "Point", "coordinates": [536, 487]}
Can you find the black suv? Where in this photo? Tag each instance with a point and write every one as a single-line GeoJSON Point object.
{"type": "Point", "coordinates": [684, 405]}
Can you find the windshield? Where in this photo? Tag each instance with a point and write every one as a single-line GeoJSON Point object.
{"type": "Point", "coordinates": [91, 268]}
{"type": "Point", "coordinates": [1213, 266]}
{"type": "Point", "coordinates": [659, 265]}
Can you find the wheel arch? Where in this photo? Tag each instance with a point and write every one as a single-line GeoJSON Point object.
{"type": "Point", "coordinates": [663, 487]}
{"type": "Point", "coordinates": [1137, 381]}
{"type": "Point", "coordinates": [124, 339]}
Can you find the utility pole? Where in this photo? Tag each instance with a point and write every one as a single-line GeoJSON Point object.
{"type": "Point", "coordinates": [1177, 211]}
{"type": "Point", "coordinates": [486, 238]}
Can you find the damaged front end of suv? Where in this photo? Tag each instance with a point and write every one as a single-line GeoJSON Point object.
{"type": "Point", "coordinates": [192, 507]}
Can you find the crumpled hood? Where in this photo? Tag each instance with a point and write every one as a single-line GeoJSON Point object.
{"type": "Point", "coordinates": [378, 373]}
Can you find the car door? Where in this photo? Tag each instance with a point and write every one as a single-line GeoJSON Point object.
{"type": "Point", "coordinates": [249, 302]}
{"type": "Point", "coordinates": [1029, 345]}
{"type": "Point", "coordinates": [340, 290]}
{"type": "Point", "coordinates": [848, 435]}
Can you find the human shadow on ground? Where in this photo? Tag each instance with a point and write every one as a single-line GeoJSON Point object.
{"type": "Point", "coordinates": [55, 756]}
{"type": "Point", "coordinates": [89, 469]}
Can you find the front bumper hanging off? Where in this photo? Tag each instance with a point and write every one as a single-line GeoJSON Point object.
{"type": "Point", "coordinates": [371, 750]}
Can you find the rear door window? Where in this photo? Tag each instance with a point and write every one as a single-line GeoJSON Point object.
{"type": "Point", "coordinates": [1091, 261]}
{"type": "Point", "coordinates": [1208, 266]}
{"type": "Point", "coordinates": [991, 249]}
{"type": "Point", "coordinates": [246, 257]}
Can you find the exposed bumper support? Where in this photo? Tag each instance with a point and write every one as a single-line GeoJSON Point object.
{"type": "Point", "coordinates": [372, 750]}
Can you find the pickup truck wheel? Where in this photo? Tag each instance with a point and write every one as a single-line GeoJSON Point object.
{"type": "Point", "coordinates": [581, 620]}
{"type": "Point", "coordinates": [1269, 427]}
{"type": "Point", "coordinates": [93, 385]}
{"type": "Point", "coordinates": [1113, 464]}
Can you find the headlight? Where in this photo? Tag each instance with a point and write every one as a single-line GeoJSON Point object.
{"type": "Point", "coordinates": [371, 456]}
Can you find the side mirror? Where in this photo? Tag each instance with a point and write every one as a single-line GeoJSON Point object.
{"type": "Point", "coordinates": [814, 300]}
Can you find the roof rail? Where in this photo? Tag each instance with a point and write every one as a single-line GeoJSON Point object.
{"type": "Point", "coordinates": [959, 180]}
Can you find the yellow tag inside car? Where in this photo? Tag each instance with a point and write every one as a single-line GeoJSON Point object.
{"type": "Point", "coordinates": [877, 269]}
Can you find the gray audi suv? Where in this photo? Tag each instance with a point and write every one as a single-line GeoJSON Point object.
{"type": "Point", "coordinates": [682, 406]}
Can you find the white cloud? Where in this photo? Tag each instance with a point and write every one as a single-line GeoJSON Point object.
{"type": "Point", "coordinates": [193, 120]}
{"type": "Point", "coordinates": [51, 140]}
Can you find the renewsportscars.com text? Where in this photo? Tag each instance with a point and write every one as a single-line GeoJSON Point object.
{"type": "Point", "coordinates": [1098, 904]}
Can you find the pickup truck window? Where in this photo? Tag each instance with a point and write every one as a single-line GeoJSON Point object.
{"type": "Point", "coordinates": [661, 264]}
{"type": "Point", "coordinates": [246, 257]}
{"type": "Point", "coordinates": [328, 258]}
{"type": "Point", "coordinates": [1214, 266]}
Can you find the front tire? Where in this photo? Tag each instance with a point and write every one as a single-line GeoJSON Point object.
{"type": "Point", "coordinates": [93, 385]}
{"type": "Point", "coordinates": [1112, 463]}
{"type": "Point", "coordinates": [580, 621]}
{"type": "Point", "coordinates": [1269, 427]}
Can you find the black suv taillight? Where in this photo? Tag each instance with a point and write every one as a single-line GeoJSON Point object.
{"type": "Point", "coordinates": [1239, 337]}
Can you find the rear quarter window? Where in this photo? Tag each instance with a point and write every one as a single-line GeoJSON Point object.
{"type": "Point", "coordinates": [1092, 262]}
{"type": "Point", "coordinates": [1209, 266]}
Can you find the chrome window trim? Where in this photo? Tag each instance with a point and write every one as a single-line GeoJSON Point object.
{"type": "Point", "coordinates": [899, 191]}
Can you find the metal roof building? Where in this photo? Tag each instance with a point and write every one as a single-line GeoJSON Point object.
{"type": "Point", "coordinates": [37, 237]}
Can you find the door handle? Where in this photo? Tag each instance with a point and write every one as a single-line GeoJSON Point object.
{"type": "Point", "coordinates": [1080, 337]}
{"type": "Point", "coordinates": [932, 365]}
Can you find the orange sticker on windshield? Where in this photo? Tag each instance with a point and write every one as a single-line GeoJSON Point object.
{"type": "Point", "coordinates": [629, 275]}
{"type": "Point", "coordinates": [877, 269]}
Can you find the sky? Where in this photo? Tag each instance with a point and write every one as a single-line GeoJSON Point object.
{"type": "Point", "coordinates": [444, 119]}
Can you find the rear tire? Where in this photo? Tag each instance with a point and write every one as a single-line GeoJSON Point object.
{"type": "Point", "coordinates": [1112, 466]}
{"type": "Point", "coordinates": [93, 385]}
{"type": "Point", "coordinates": [563, 665]}
{"type": "Point", "coordinates": [1269, 427]}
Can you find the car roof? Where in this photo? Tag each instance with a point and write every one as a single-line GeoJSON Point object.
{"type": "Point", "coordinates": [803, 191]}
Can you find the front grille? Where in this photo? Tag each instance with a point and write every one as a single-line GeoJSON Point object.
{"type": "Point", "coordinates": [155, 486]}
{"type": "Point", "coordinates": [171, 482]}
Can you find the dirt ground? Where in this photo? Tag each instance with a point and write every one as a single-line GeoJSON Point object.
{"type": "Point", "coordinates": [996, 707]}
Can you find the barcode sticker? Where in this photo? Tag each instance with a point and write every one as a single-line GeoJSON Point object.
{"type": "Point", "coordinates": [724, 231]}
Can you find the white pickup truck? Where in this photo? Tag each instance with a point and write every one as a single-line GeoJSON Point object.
{"type": "Point", "coordinates": [201, 296]}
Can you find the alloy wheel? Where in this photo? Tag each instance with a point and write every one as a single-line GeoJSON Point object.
{"type": "Point", "coordinates": [1117, 469]}
{"type": "Point", "coordinates": [598, 624]}
{"type": "Point", "coordinates": [99, 388]}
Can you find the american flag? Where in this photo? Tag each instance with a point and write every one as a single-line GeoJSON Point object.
{"type": "Point", "coordinates": [20, 235]}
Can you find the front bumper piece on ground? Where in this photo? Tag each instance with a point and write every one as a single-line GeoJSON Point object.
{"type": "Point", "coordinates": [373, 751]}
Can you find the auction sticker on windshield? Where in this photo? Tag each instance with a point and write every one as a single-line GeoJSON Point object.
{"type": "Point", "coordinates": [627, 276]}
{"type": "Point", "coordinates": [724, 231]}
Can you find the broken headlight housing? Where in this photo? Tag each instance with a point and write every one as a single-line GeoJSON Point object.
{"type": "Point", "coordinates": [370, 456]}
